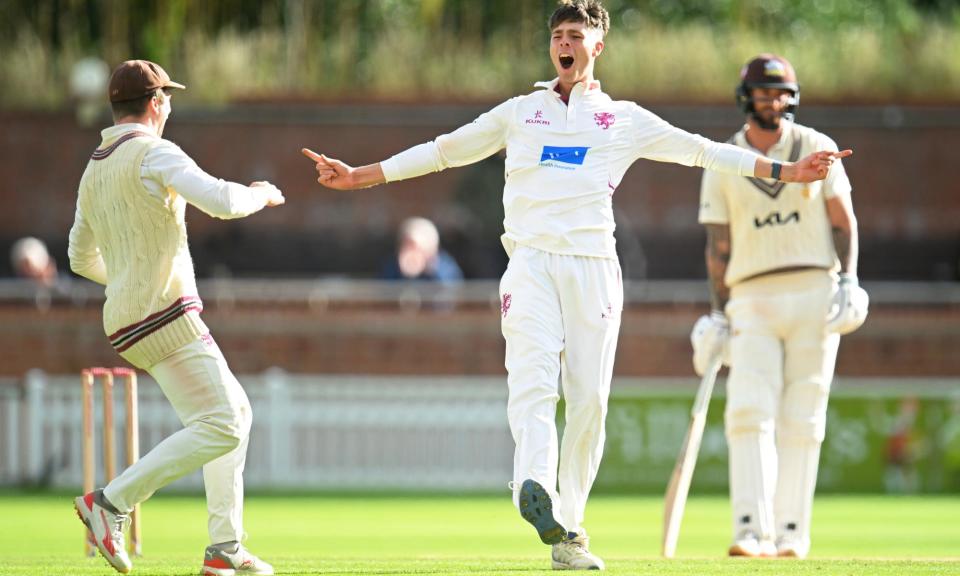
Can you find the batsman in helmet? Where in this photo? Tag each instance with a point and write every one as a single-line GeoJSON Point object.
{"type": "Point", "coordinates": [782, 264]}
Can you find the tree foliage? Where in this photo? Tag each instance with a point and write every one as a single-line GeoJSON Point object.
{"type": "Point", "coordinates": [336, 46]}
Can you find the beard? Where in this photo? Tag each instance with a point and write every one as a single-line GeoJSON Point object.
{"type": "Point", "coordinates": [773, 123]}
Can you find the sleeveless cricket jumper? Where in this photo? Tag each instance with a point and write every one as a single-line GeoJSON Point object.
{"type": "Point", "coordinates": [781, 356]}
{"type": "Point", "coordinates": [133, 239]}
{"type": "Point", "coordinates": [151, 307]}
{"type": "Point", "coordinates": [562, 293]}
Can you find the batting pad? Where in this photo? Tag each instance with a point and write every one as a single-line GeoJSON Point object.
{"type": "Point", "coordinates": [753, 476]}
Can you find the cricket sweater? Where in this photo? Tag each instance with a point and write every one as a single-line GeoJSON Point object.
{"type": "Point", "coordinates": [133, 238]}
{"type": "Point", "coordinates": [776, 225]}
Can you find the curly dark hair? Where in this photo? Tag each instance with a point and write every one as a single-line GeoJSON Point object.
{"type": "Point", "coordinates": [590, 12]}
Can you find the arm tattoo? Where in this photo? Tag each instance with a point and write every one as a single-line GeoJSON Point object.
{"type": "Point", "coordinates": [843, 228]}
{"type": "Point", "coordinates": [843, 241]}
{"type": "Point", "coordinates": [717, 257]}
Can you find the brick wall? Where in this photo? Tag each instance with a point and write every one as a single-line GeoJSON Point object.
{"type": "Point", "coordinates": [897, 341]}
{"type": "Point", "coordinates": [902, 174]}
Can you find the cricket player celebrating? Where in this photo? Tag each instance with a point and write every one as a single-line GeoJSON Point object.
{"type": "Point", "coordinates": [782, 262]}
{"type": "Point", "coordinates": [129, 234]}
{"type": "Point", "coordinates": [568, 146]}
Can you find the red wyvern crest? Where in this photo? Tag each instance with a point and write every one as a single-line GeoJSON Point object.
{"type": "Point", "coordinates": [604, 119]}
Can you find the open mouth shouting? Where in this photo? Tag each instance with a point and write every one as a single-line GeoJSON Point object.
{"type": "Point", "coordinates": [566, 61]}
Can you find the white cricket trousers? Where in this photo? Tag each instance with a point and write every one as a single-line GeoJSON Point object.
{"type": "Point", "coordinates": [781, 368]}
{"type": "Point", "coordinates": [560, 319]}
{"type": "Point", "coordinates": [216, 416]}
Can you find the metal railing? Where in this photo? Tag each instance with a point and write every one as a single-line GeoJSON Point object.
{"type": "Point", "coordinates": [324, 292]}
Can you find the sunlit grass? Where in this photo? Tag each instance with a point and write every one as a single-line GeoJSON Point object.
{"type": "Point", "coordinates": [448, 534]}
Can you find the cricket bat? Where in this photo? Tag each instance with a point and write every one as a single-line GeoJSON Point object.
{"type": "Point", "coordinates": [675, 499]}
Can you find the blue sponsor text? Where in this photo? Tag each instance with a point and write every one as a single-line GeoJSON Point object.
{"type": "Point", "coordinates": [565, 154]}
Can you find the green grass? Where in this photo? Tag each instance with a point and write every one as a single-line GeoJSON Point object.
{"type": "Point", "coordinates": [484, 535]}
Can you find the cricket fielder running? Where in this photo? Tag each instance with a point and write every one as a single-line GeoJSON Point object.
{"type": "Point", "coordinates": [568, 146]}
{"type": "Point", "coordinates": [782, 262]}
{"type": "Point", "coordinates": [129, 234]}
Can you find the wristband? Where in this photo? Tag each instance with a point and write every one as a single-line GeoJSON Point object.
{"type": "Point", "coordinates": [847, 278]}
{"type": "Point", "coordinates": [775, 170]}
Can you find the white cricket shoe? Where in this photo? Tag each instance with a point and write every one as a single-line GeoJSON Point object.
{"type": "Point", "coordinates": [107, 530]}
{"type": "Point", "coordinates": [217, 562]}
{"type": "Point", "coordinates": [748, 545]}
{"type": "Point", "coordinates": [574, 554]}
{"type": "Point", "coordinates": [792, 548]}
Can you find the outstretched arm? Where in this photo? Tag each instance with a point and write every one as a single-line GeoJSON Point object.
{"type": "Point", "coordinates": [811, 168]}
{"type": "Point", "coordinates": [335, 174]}
{"type": "Point", "coordinates": [173, 170]}
{"type": "Point", "coordinates": [656, 139]}
{"type": "Point", "coordinates": [468, 144]}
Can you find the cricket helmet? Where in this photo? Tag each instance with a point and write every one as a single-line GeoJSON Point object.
{"type": "Point", "coordinates": [768, 71]}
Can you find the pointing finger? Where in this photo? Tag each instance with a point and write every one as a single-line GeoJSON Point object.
{"type": "Point", "coordinates": [312, 155]}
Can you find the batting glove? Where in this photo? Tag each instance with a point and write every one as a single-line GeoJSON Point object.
{"type": "Point", "coordinates": [710, 337]}
{"type": "Point", "coordinates": [848, 308]}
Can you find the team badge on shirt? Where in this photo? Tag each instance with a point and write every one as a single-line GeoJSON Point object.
{"type": "Point", "coordinates": [505, 304]}
{"type": "Point", "coordinates": [604, 119]}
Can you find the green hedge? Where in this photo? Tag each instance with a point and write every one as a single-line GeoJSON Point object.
{"type": "Point", "coordinates": [691, 50]}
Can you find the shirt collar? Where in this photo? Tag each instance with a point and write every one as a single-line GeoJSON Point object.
{"type": "Point", "coordinates": [118, 130]}
{"type": "Point", "coordinates": [552, 86]}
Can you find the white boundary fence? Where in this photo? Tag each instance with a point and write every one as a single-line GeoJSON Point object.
{"type": "Point", "coordinates": [309, 432]}
{"type": "Point", "coordinates": [403, 432]}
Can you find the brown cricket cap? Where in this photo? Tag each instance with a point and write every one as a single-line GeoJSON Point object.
{"type": "Point", "coordinates": [137, 78]}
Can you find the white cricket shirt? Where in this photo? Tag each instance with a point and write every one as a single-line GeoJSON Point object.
{"type": "Point", "coordinates": [564, 162]}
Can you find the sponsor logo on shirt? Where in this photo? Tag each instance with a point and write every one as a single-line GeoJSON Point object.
{"type": "Point", "coordinates": [776, 219]}
{"type": "Point", "coordinates": [555, 156]}
{"type": "Point", "coordinates": [604, 119]}
{"type": "Point", "coordinates": [538, 119]}
{"type": "Point", "coordinates": [505, 304]}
